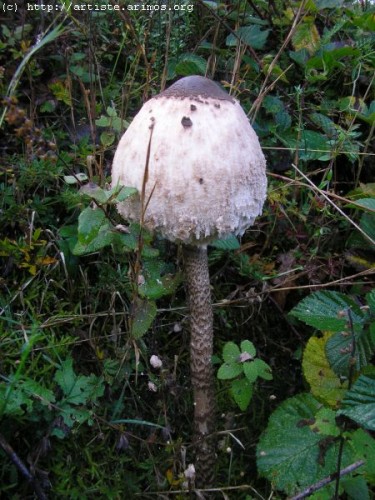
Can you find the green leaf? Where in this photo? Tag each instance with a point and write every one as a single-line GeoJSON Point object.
{"type": "Point", "coordinates": [14, 402]}
{"type": "Point", "coordinates": [231, 352]}
{"type": "Point", "coordinates": [228, 371]}
{"type": "Point", "coordinates": [359, 402]}
{"type": "Point", "coordinates": [242, 392]}
{"type": "Point", "coordinates": [339, 350]}
{"type": "Point", "coordinates": [247, 346]}
{"type": "Point", "coordinates": [325, 123]}
{"type": "Point", "coordinates": [364, 446]}
{"type": "Point", "coordinates": [325, 384]}
{"type": "Point", "coordinates": [107, 138]}
{"type": "Point", "coordinates": [101, 196]}
{"type": "Point", "coordinates": [250, 370]}
{"type": "Point", "coordinates": [325, 423]}
{"type": "Point", "coordinates": [121, 193]}
{"type": "Point", "coordinates": [228, 243]}
{"type": "Point", "coordinates": [190, 64]}
{"type": "Point", "coordinates": [33, 388]}
{"type": "Point", "coordinates": [143, 315]}
{"type": "Point", "coordinates": [250, 35]}
{"type": "Point", "coordinates": [156, 280]}
{"type": "Point", "coordinates": [94, 192]}
{"type": "Point", "coordinates": [326, 310]}
{"type": "Point", "coordinates": [311, 145]}
{"type": "Point", "coordinates": [290, 454]}
{"type": "Point", "coordinates": [89, 223]}
{"type": "Point", "coordinates": [366, 203]}
{"type": "Point", "coordinates": [356, 488]}
{"type": "Point", "coordinates": [328, 4]}
{"type": "Point", "coordinates": [74, 179]}
{"type": "Point", "coordinates": [273, 104]}
{"type": "Point", "coordinates": [104, 238]}
{"type": "Point", "coordinates": [283, 120]}
{"type": "Point", "coordinates": [367, 224]}
{"type": "Point", "coordinates": [78, 389]}
{"type": "Point", "coordinates": [370, 298]}
{"type": "Point", "coordinates": [306, 36]}
{"type": "Point", "coordinates": [264, 371]}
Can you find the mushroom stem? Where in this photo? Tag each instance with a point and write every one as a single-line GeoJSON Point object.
{"type": "Point", "coordinates": [201, 349]}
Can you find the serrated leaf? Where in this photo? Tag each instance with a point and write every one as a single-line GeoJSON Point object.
{"type": "Point", "coordinates": [326, 311]}
{"type": "Point", "coordinates": [311, 145]}
{"type": "Point", "coordinates": [273, 104]}
{"type": "Point", "coordinates": [43, 394]}
{"type": "Point", "coordinates": [17, 402]}
{"type": "Point", "coordinates": [250, 35]}
{"type": "Point", "coordinates": [242, 392]}
{"type": "Point", "coordinates": [325, 384]}
{"type": "Point", "coordinates": [359, 402]}
{"type": "Point", "coordinates": [325, 123]}
{"type": "Point", "coordinates": [190, 64]}
{"type": "Point", "coordinates": [325, 423]}
{"type": "Point", "coordinates": [229, 243]}
{"type": "Point", "coordinates": [247, 346]}
{"type": "Point", "coordinates": [77, 389]}
{"type": "Point", "coordinates": [283, 120]}
{"type": "Point", "coordinates": [143, 315]}
{"type": "Point", "coordinates": [339, 351]}
{"type": "Point", "coordinates": [364, 446]}
{"type": "Point", "coordinates": [289, 453]}
{"type": "Point", "coordinates": [73, 415]}
{"type": "Point", "coordinates": [228, 371]}
{"type": "Point", "coordinates": [231, 352]}
{"type": "Point", "coordinates": [356, 488]}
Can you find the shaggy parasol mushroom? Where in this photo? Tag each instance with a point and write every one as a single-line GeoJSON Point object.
{"type": "Point", "coordinates": [205, 179]}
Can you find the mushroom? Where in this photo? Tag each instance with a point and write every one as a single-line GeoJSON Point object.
{"type": "Point", "coordinates": [200, 177]}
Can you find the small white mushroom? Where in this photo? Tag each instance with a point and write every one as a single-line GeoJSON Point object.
{"type": "Point", "coordinates": [205, 179]}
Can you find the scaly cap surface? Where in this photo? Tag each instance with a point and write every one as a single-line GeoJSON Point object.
{"type": "Point", "coordinates": [206, 170]}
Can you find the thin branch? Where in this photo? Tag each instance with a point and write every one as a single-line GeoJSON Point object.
{"type": "Point", "coordinates": [332, 477]}
{"type": "Point", "coordinates": [322, 193]}
{"type": "Point", "coordinates": [264, 89]}
{"type": "Point", "coordinates": [22, 468]}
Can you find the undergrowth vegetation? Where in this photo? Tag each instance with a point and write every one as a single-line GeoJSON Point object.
{"type": "Point", "coordinates": [95, 398]}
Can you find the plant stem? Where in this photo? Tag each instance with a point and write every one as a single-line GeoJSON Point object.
{"type": "Point", "coordinates": [201, 348]}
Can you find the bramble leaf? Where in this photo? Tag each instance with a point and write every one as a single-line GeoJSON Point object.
{"type": "Point", "coordinates": [325, 384]}
{"type": "Point", "coordinates": [326, 310]}
{"type": "Point", "coordinates": [359, 402]}
{"type": "Point", "coordinates": [290, 454]}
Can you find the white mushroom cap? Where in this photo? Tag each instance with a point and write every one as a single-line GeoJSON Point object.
{"type": "Point", "coordinates": [206, 172]}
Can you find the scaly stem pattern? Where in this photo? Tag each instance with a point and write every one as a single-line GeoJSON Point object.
{"type": "Point", "coordinates": [201, 348]}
